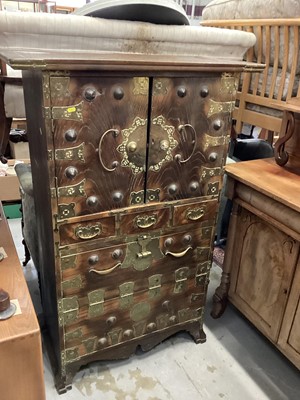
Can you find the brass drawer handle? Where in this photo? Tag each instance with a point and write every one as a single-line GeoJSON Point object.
{"type": "Point", "coordinates": [181, 128]}
{"type": "Point", "coordinates": [105, 271]}
{"type": "Point", "coordinates": [194, 214]}
{"type": "Point", "coordinates": [178, 255]}
{"type": "Point", "coordinates": [88, 232]}
{"type": "Point", "coordinates": [145, 221]}
{"type": "Point", "coordinates": [115, 133]}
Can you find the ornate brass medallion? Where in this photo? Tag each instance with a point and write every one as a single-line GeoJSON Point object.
{"type": "Point", "coordinates": [162, 143]}
{"type": "Point", "coordinates": [133, 146]}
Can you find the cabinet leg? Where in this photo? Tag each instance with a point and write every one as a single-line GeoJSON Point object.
{"type": "Point", "coordinates": [197, 332]}
{"type": "Point", "coordinates": [220, 297]}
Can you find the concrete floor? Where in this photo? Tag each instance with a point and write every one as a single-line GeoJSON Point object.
{"type": "Point", "coordinates": [236, 362]}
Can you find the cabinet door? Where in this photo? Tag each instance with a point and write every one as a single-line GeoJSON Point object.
{"type": "Point", "coordinates": [262, 269]}
{"type": "Point", "coordinates": [189, 127]}
{"type": "Point", "coordinates": [289, 338]}
{"type": "Point", "coordinates": [100, 134]}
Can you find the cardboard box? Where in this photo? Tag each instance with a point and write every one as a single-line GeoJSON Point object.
{"type": "Point", "coordinates": [19, 150]}
{"type": "Point", "coordinates": [9, 185]}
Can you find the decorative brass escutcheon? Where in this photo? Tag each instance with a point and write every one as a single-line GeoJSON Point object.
{"type": "Point", "coordinates": [145, 221]}
{"type": "Point", "coordinates": [88, 232]}
{"type": "Point", "coordinates": [70, 153]}
{"type": "Point", "coordinates": [72, 190]}
{"type": "Point", "coordinates": [194, 214]}
{"type": "Point", "coordinates": [140, 311]}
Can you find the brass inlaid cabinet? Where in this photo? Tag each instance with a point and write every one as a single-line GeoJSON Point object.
{"type": "Point", "coordinates": [127, 169]}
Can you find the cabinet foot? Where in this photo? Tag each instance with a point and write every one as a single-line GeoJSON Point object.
{"type": "Point", "coordinates": [220, 297]}
{"type": "Point", "coordinates": [197, 333]}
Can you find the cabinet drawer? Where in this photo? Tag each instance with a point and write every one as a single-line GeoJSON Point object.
{"type": "Point", "coordinates": [82, 231]}
{"type": "Point", "coordinates": [143, 221]}
{"type": "Point", "coordinates": [195, 212]}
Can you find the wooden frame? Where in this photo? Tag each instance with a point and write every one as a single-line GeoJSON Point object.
{"type": "Point", "coordinates": [261, 96]}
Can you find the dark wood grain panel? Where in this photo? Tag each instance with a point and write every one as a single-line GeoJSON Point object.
{"type": "Point", "coordinates": [189, 126]}
{"type": "Point", "coordinates": [107, 104]}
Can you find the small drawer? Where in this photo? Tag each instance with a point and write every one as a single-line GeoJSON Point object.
{"type": "Point", "coordinates": [194, 212]}
{"type": "Point", "coordinates": [83, 231]}
{"type": "Point", "coordinates": [143, 221]}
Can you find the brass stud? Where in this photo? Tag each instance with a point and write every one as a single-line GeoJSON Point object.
{"type": "Point", "coordinates": [93, 259]}
{"type": "Point", "coordinates": [169, 242]}
{"type": "Point", "coordinates": [92, 201]}
{"type": "Point", "coordinates": [70, 135]}
{"type": "Point", "coordinates": [166, 305]}
{"type": "Point", "coordinates": [102, 341]}
{"type": "Point", "coordinates": [117, 254]}
{"type": "Point", "coordinates": [173, 319]}
{"type": "Point", "coordinates": [117, 197]}
{"type": "Point", "coordinates": [151, 326]}
{"type": "Point", "coordinates": [213, 157]}
{"type": "Point", "coordinates": [118, 93]}
{"type": "Point", "coordinates": [132, 146]}
{"type": "Point", "coordinates": [181, 91]}
{"type": "Point", "coordinates": [111, 320]}
{"type": "Point", "coordinates": [164, 145]}
{"type": "Point", "coordinates": [90, 94]}
{"type": "Point", "coordinates": [128, 333]}
{"type": "Point", "coordinates": [187, 239]}
{"type": "Point", "coordinates": [204, 92]}
{"type": "Point", "coordinates": [71, 172]}
{"type": "Point", "coordinates": [217, 124]}
{"type": "Point", "coordinates": [194, 186]}
{"type": "Point", "coordinates": [172, 189]}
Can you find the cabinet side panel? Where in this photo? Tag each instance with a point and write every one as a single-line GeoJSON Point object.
{"type": "Point", "coordinates": [32, 81]}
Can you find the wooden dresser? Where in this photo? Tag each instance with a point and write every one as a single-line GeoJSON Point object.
{"type": "Point", "coordinates": [127, 162]}
{"type": "Point", "coordinates": [262, 261]}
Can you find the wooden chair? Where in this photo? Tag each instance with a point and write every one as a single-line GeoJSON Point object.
{"type": "Point", "coordinates": [261, 95]}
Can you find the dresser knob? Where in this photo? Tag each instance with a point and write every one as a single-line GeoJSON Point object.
{"type": "Point", "coordinates": [102, 341]}
{"type": "Point", "coordinates": [71, 172]}
{"type": "Point", "coordinates": [151, 326]}
{"type": "Point", "coordinates": [194, 186]}
{"type": "Point", "coordinates": [117, 197]}
{"type": "Point", "coordinates": [213, 157]}
{"type": "Point", "coordinates": [217, 124]}
{"type": "Point", "coordinates": [173, 319]}
{"type": "Point", "coordinates": [172, 189]}
{"type": "Point", "coordinates": [70, 135]}
{"type": "Point", "coordinates": [187, 239]}
{"type": "Point", "coordinates": [204, 92]}
{"type": "Point", "coordinates": [92, 201]}
{"type": "Point", "coordinates": [118, 93]}
{"type": "Point", "coordinates": [181, 91]}
{"type": "Point", "coordinates": [128, 333]}
{"type": "Point", "coordinates": [166, 305]}
{"type": "Point", "coordinates": [169, 242]}
{"type": "Point", "coordinates": [93, 259]}
{"type": "Point", "coordinates": [117, 254]}
{"type": "Point", "coordinates": [111, 320]}
{"type": "Point", "coordinates": [90, 94]}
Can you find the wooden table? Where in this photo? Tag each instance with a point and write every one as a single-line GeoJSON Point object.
{"type": "Point", "coordinates": [21, 363]}
{"type": "Point", "coordinates": [261, 274]}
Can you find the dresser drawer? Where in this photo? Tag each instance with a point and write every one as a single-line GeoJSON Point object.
{"type": "Point", "coordinates": [196, 212]}
{"type": "Point", "coordinates": [144, 221]}
{"type": "Point", "coordinates": [86, 230]}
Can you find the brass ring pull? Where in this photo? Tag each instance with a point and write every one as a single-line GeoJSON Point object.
{"type": "Point", "coordinates": [181, 128]}
{"type": "Point", "coordinates": [105, 271]}
{"type": "Point", "coordinates": [145, 221]}
{"type": "Point", "coordinates": [281, 156]}
{"type": "Point", "coordinates": [178, 255]}
{"type": "Point", "coordinates": [88, 232]}
{"type": "Point", "coordinates": [115, 163]}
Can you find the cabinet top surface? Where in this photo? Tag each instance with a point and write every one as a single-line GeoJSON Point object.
{"type": "Point", "coordinates": [279, 183]}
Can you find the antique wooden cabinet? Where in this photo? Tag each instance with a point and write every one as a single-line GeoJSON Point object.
{"type": "Point", "coordinates": [127, 163]}
{"type": "Point", "coordinates": [262, 259]}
